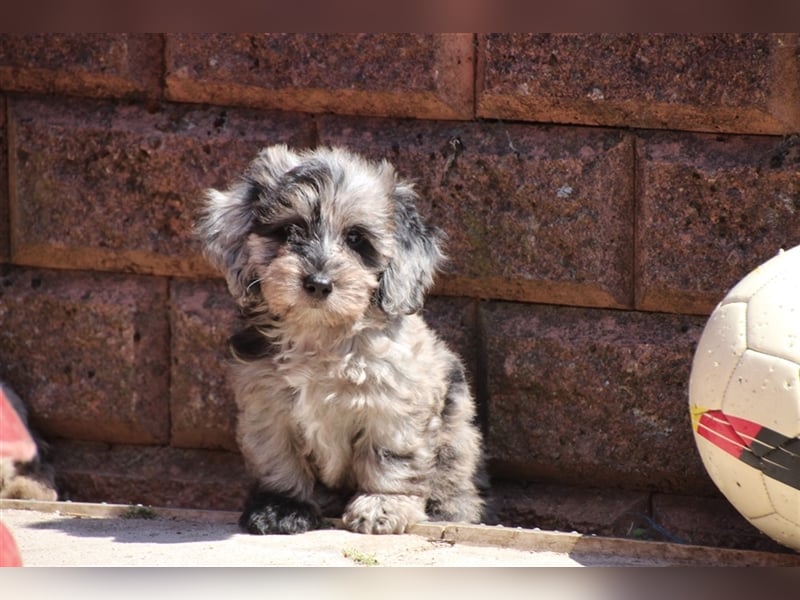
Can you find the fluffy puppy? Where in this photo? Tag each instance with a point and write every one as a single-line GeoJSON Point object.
{"type": "Point", "coordinates": [347, 400]}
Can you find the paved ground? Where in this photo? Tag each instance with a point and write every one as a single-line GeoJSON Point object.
{"type": "Point", "coordinates": [76, 534]}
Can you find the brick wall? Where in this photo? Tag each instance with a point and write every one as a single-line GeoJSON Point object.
{"type": "Point", "coordinates": [607, 191]}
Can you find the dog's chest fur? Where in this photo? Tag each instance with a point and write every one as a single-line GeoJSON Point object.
{"type": "Point", "coordinates": [369, 394]}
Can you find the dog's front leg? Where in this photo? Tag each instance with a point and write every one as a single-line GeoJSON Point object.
{"type": "Point", "coordinates": [267, 512]}
{"type": "Point", "coordinates": [393, 486]}
{"type": "Point", "coordinates": [384, 513]}
{"type": "Point", "coordinates": [280, 501]}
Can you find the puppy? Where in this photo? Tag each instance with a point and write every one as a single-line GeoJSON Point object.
{"type": "Point", "coordinates": [347, 400]}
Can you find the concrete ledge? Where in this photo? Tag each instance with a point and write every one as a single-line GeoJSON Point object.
{"type": "Point", "coordinates": [145, 532]}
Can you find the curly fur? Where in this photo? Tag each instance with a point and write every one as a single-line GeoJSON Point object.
{"type": "Point", "coordinates": [342, 389]}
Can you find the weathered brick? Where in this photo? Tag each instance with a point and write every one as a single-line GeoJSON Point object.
{"type": "Point", "coordinates": [150, 475]}
{"type": "Point", "coordinates": [5, 251]}
{"type": "Point", "coordinates": [710, 209]}
{"type": "Point", "coordinates": [743, 83]}
{"type": "Point", "coordinates": [100, 185]}
{"type": "Point", "coordinates": [203, 410]}
{"type": "Point", "coordinates": [709, 521]}
{"type": "Point", "coordinates": [591, 397]}
{"type": "Point", "coordinates": [566, 508]}
{"type": "Point", "coordinates": [89, 352]}
{"type": "Point", "coordinates": [85, 64]}
{"type": "Point", "coordinates": [540, 214]}
{"type": "Point", "coordinates": [406, 75]}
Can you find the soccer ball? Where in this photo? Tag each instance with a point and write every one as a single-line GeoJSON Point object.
{"type": "Point", "coordinates": [744, 397]}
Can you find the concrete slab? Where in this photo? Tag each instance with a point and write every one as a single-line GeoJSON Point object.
{"type": "Point", "coordinates": [81, 534]}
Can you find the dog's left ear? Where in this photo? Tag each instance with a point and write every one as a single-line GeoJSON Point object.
{"type": "Point", "coordinates": [416, 257]}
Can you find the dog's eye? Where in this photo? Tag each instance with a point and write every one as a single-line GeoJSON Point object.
{"type": "Point", "coordinates": [289, 231]}
{"type": "Point", "coordinates": [280, 232]}
{"type": "Point", "coordinates": [359, 242]}
{"type": "Point", "coordinates": [355, 238]}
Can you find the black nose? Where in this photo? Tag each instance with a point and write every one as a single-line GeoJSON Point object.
{"type": "Point", "coordinates": [318, 285]}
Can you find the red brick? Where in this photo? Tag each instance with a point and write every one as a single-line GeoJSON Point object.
{"type": "Point", "coordinates": [406, 75]}
{"type": "Point", "coordinates": [709, 521]}
{"type": "Point", "coordinates": [540, 214]}
{"type": "Point", "coordinates": [203, 409]}
{"type": "Point", "coordinates": [710, 209]}
{"type": "Point", "coordinates": [564, 508]}
{"type": "Point", "coordinates": [747, 83]}
{"type": "Point", "coordinates": [591, 397]}
{"type": "Point", "coordinates": [85, 64]}
{"type": "Point", "coordinates": [105, 186]}
{"type": "Point", "coordinates": [89, 352]}
{"type": "Point", "coordinates": [5, 243]}
{"type": "Point", "coordinates": [150, 475]}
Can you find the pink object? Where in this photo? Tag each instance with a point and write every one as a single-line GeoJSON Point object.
{"type": "Point", "coordinates": [9, 555]}
{"type": "Point", "coordinates": [15, 441]}
{"type": "Point", "coordinates": [17, 444]}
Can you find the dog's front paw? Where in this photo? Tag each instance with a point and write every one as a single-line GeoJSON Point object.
{"type": "Point", "coordinates": [266, 513]}
{"type": "Point", "coordinates": [383, 513]}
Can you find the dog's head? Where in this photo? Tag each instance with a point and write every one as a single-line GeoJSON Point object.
{"type": "Point", "coordinates": [319, 237]}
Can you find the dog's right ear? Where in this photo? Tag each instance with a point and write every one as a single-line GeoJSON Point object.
{"type": "Point", "coordinates": [227, 217]}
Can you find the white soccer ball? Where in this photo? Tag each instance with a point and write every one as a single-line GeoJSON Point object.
{"type": "Point", "coordinates": [744, 397]}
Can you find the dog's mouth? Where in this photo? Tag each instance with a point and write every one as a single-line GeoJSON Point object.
{"type": "Point", "coordinates": [320, 296]}
{"type": "Point", "coordinates": [312, 296]}
{"type": "Point", "coordinates": [322, 300]}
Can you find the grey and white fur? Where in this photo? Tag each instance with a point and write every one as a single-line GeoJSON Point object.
{"type": "Point", "coordinates": [347, 401]}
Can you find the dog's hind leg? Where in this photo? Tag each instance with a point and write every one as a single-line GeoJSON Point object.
{"type": "Point", "coordinates": [457, 457]}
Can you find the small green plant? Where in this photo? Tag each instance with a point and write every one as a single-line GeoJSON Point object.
{"type": "Point", "coordinates": [360, 558]}
{"type": "Point", "coordinates": [139, 512]}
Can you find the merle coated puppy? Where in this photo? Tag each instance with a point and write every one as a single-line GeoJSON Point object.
{"type": "Point", "coordinates": [342, 389]}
